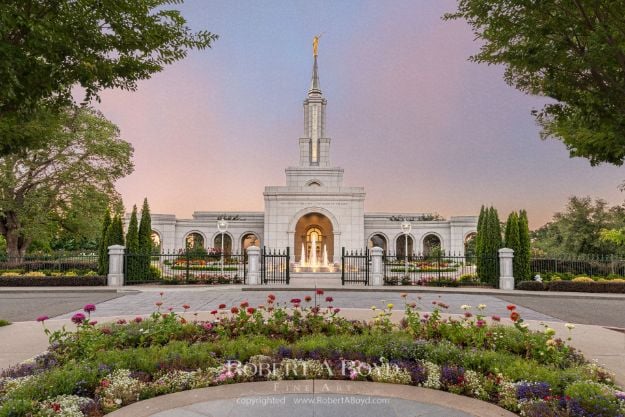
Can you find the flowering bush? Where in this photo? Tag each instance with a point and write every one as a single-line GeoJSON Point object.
{"type": "Point", "coordinates": [99, 368]}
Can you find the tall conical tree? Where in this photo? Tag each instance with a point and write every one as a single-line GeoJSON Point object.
{"type": "Point", "coordinates": [103, 256]}
{"type": "Point", "coordinates": [145, 240]}
{"type": "Point", "coordinates": [132, 246]}
{"type": "Point", "coordinates": [491, 244]}
{"type": "Point", "coordinates": [481, 221]}
{"type": "Point", "coordinates": [512, 242]}
{"type": "Point", "coordinates": [115, 232]}
{"type": "Point", "coordinates": [524, 254]}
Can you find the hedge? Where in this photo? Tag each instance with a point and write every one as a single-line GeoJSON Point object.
{"type": "Point", "coordinates": [573, 286]}
{"type": "Point", "coordinates": [60, 281]}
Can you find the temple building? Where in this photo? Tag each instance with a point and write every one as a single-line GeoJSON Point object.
{"type": "Point", "coordinates": [314, 214]}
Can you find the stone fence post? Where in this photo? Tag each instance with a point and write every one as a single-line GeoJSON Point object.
{"type": "Point", "coordinates": [253, 265]}
{"type": "Point", "coordinates": [506, 274]}
{"type": "Point", "coordinates": [115, 277]}
{"type": "Point", "coordinates": [377, 267]}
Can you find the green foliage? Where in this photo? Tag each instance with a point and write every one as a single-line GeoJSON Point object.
{"type": "Point", "coordinates": [47, 48]}
{"type": "Point", "coordinates": [578, 229]}
{"type": "Point", "coordinates": [571, 52]}
{"type": "Point", "coordinates": [103, 257]}
{"type": "Point", "coordinates": [4, 322]}
{"type": "Point", "coordinates": [481, 231]}
{"type": "Point", "coordinates": [115, 232]}
{"type": "Point", "coordinates": [488, 246]}
{"type": "Point", "coordinates": [522, 258]}
{"type": "Point", "coordinates": [145, 239]}
{"type": "Point", "coordinates": [512, 240]}
{"type": "Point", "coordinates": [64, 187]}
{"type": "Point", "coordinates": [133, 263]}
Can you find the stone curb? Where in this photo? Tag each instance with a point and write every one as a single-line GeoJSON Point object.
{"type": "Point", "coordinates": [105, 290]}
{"type": "Point", "coordinates": [177, 400]}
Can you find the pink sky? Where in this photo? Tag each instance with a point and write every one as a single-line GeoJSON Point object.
{"type": "Point", "coordinates": [412, 120]}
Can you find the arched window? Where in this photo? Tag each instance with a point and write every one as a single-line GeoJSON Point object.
{"type": "Point", "coordinates": [377, 240]}
{"type": "Point", "coordinates": [194, 241]}
{"type": "Point", "coordinates": [156, 242]}
{"type": "Point", "coordinates": [249, 239]}
{"type": "Point", "coordinates": [431, 245]}
{"type": "Point", "coordinates": [469, 245]}
{"type": "Point", "coordinates": [227, 243]}
{"type": "Point", "coordinates": [400, 246]}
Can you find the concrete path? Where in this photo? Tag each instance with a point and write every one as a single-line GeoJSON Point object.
{"type": "Point", "coordinates": [312, 398]}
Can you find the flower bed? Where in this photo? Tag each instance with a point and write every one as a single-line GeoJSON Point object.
{"type": "Point", "coordinates": [51, 281]}
{"type": "Point", "coordinates": [574, 286]}
{"type": "Point", "coordinates": [101, 367]}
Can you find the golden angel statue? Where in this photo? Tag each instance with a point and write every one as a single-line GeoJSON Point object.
{"type": "Point", "coordinates": [316, 45]}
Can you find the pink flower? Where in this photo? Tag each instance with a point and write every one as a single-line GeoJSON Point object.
{"type": "Point", "coordinates": [78, 318]}
{"type": "Point", "coordinates": [42, 318]}
{"type": "Point", "coordinates": [245, 304]}
{"type": "Point", "coordinates": [271, 297]}
{"type": "Point", "coordinates": [468, 314]}
{"type": "Point", "coordinates": [93, 322]}
{"type": "Point", "coordinates": [186, 307]}
{"type": "Point", "coordinates": [170, 309]}
{"type": "Point", "coordinates": [296, 305]}
{"type": "Point", "coordinates": [105, 330]}
{"type": "Point", "coordinates": [138, 319]}
{"type": "Point", "coordinates": [89, 308]}
{"type": "Point", "coordinates": [158, 303]}
{"type": "Point", "coordinates": [329, 299]}
{"type": "Point", "coordinates": [207, 326]}
{"type": "Point", "coordinates": [319, 291]}
{"type": "Point", "coordinates": [336, 310]}
{"type": "Point", "coordinates": [496, 318]}
{"type": "Point", "coordinates": [295, 300]}
{"type": "Point", "coordinates": [161, 293]}
{"type": "Point", "coordinates": [121, 321]}
{"type": "Point", "coordinates": [480, 323]}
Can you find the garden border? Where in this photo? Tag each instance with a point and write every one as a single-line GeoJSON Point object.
{"type": "Point", "coordinates": [181, 399]}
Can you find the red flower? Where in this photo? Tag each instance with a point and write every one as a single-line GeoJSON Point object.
{"type": "Point", "coordinates": [329, 299]}
{"type": "Point", "coordinates": [93, 322]}
{"type": "Point", "coordinates": [271, 297]}
{"type": "Point", "coordinates": [244, 304]}
{"type": "Point", "coordinates": [88, 308]}
{"type": "Point", "coordinates": [514, 316]}
{"type": "Point", "coordinates": [186, 307]}
{"type": "Point", "coordinates": [170, 309]}
{"type": "Point", "coordinates": [138, 319]}
{"type": "Point", "coordinates": [78, 318]}
{"type": "Point", "coordinates": [336, 310]}
{"type": "Point", "coordinates": [222, 306]}
{"type": "Point", "coordinates": [319, 291]}
{"type": "Point", "coordinates": [295, 300]}
{"type": "Point", "coordinates": [468, 314]}
{"type": "Point", "coordinates": [295, 305]}
{"type": "Point", "coordinates": [496, 318]}
{"type": "Point", "coordinates": [158, 303]}
{"type": "Point", "coordinates": [511, 307]}
{"type": "Point", "coordinates": [307, 298]}
{"type": "Point", "coordinates": [121, 321]}
{"type": "Point", "coordinates": [214, 312]}
{"type": "Point", "coordinates": [234, 310]}
{"type": "Point", "coordinates": [251, 310]}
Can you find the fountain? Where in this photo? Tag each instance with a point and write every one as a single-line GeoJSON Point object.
{"type": "Point", "coordinates": [325, 256]}
{"type": "Point", "coordinates": [313, 251]}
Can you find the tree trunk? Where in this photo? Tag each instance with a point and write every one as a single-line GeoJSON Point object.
{"type": "Point", "coordinates": [16, 243]}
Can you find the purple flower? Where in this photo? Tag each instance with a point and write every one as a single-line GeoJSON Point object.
{"type": "Point", "coordinates": [42, 318]}
{"type": "Point", "coordinates": [78, 318]}
{"type": "Point", "coordinates": [452, 375]}
{"type": "Point", "coordinates": [89, 308]}
{"type": "Point", "coordinates": [532, 390]}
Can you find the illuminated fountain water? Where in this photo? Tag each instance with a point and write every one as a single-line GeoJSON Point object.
{"type": "Point", "coordinates": [325, 257]}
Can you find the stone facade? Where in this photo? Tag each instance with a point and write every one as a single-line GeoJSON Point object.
{"type": "Point", "coordinates": [314, 190]}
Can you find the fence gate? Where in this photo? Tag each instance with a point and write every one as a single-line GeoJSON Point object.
{"type": "Point", "coordinates": [355, 267]}
{"type": "Point", "coordinates": [274, 266]}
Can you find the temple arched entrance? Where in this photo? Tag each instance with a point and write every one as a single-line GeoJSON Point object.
{"type": "Point", "coordinates": [314, 240]}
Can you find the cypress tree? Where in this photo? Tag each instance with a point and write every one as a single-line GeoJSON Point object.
{"type": "Point", "coordinates": [103, 256]}
{"type": "Point", "coordinates": [524, 255]}
{"type": "Point", "coordinates": [145, 240]}
{"type": "Point", "coordinates": [491, 244]}
{"type": "Point", "coordinates": [115, 232]}
{"type": "Point", "coordinates": [512, 241]}
{"type": "Point", "coordinates": [132, 245]}
{"type": "Point", "coordinates": [478, 240]}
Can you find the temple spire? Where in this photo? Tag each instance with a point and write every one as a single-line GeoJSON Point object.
{"type": "Point", "coordinates": [314, 82]}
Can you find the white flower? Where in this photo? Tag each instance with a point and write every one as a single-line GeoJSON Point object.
{"type": "Point", "coordinates": [118, 401]}
{"type": "Point", "coordinates": [481, 306]}
{"type": "Point", "coordinates": [465, 307]}
{"type": "Point", "coordinates": [569, 326]}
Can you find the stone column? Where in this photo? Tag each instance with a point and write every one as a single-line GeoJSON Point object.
{"type": "Point", "coordinates": [506, 277]}
{"type": "Point", "coordinates": [253, 265]}
{"type": "Point", "coordinates": [115, 277]}
{"type": "Point", "coordinates": [377, 268]}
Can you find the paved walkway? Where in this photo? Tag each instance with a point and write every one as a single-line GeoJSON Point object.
{"type": "Point", "coordinates": [312, 398]}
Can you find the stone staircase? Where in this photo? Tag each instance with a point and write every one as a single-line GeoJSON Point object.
{"type": "Point", "coordinates": [315, 279]}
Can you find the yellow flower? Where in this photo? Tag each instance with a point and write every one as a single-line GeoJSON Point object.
{"type": "Point", "coordinates": [569, 326]}
{"type": "Point", "coordinates": [390, 306]}
{"type": "Point", "coordinates": [373, 308]}
{"type": "Point", "coordinates": [549, 331]}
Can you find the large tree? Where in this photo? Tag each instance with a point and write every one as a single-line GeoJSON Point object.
{"type": "Point", "coordinates": [578, 229]}
{"type": "Point", "coordinates": [572, 51]}
{"type": "Point", "coordinates": [66, 185]}
{"type": "Point", "coordinates": [49, 47]}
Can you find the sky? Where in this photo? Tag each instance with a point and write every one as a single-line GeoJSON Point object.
{"type": "Point", "coordinates": [411, 119]}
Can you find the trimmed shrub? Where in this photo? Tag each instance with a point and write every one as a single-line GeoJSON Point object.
{"type": "Point", "coordinates": [594, 287]}
{"type": "Point", "coordinates": [58, 281]}
{"type": "Point", "coordinates": [530, 286]}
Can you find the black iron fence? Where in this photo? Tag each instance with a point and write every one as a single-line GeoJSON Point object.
{"type": "Point", "coordinates": [567, 267]}
{"type": "Point", "coordinates": [50, 265]}
{"type": "Point", "coordinates": [355, 267]}
{"type": "Point", "coordinates": [440, 269]}
{"type": "Point", "coordinates": [274, 266]}
{"type": "Point", "coordinates": [184, 267]}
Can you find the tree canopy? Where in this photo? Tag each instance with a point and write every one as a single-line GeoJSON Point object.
{"type": "Point", "coordinates": [65, 186]}
{"type": "Point", "coordinates": [572, 51]}
{"type": "Point", "coordinates": [49, 47]}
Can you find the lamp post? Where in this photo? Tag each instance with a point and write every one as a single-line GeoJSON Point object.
{"type": "Point", "coordinates": [222, 226]}
{"type": "Point", "coordinates": [406, 227]}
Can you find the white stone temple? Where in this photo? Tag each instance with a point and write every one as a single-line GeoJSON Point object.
{"type": "Point", "coordinates": [315, 215]}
